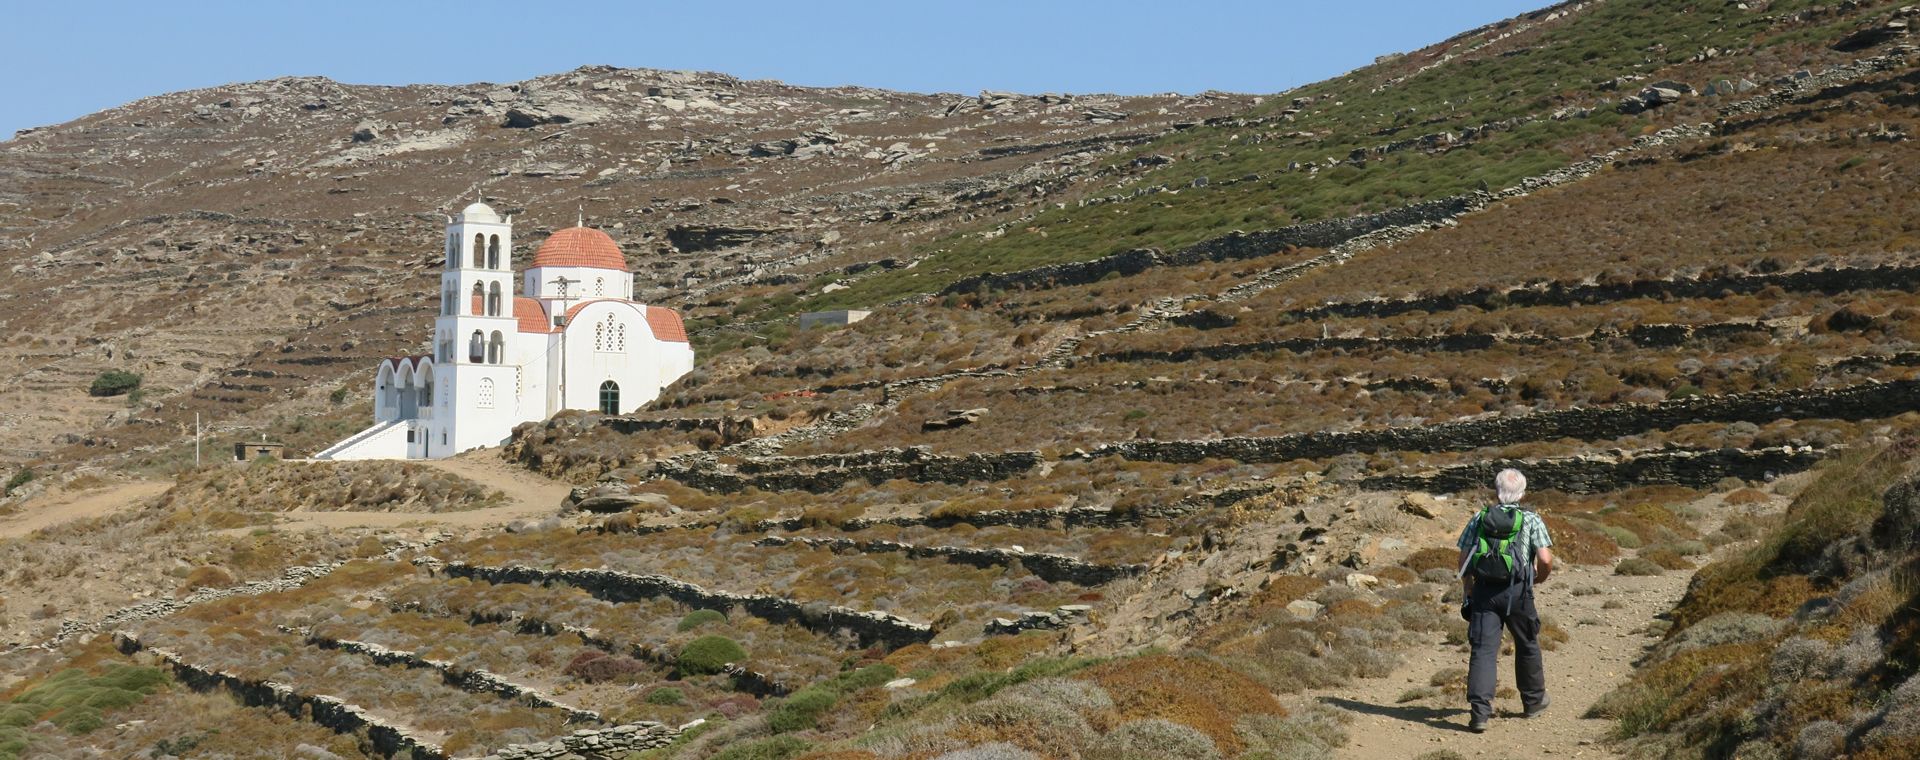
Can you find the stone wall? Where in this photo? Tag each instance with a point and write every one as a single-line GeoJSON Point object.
{"type": "Point", "coordinates": [388, 739]}
{"type": "Point", "coordinates": [465, 679]}
{"type": "Point", "coordinates": [1648, 336]}
{"type": "Point", "coordinates": [590, 744]}
{"type": "Point", "coordinates": [825, 473]}
{"type": "Point", "coordinates": [1838, 280]}
{"type": "Point", "coordinates": [1229, 247]}
{"type": "Point", "coordinates": [1602, 473]}
{"type": "Point", "coordinates": [1857, 402]}
{"type": "Point", "coordinates": [617, 586]}
{"type": "Point", "coordinates": [744, 679]}
{"type": "Point", "coordinates": [1054, 568]}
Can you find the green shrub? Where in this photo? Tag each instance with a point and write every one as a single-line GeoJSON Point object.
{"type": "Point", "coordinates": [20, 478]}
{"type": "Point", "coordinates": [776, 748]}
{"type": "Point", "coordinates": [802, 710]}
{"type": "Point", "coordinates": [698, 618]}
{"type": "Point", "coordinates": [709, 654]}
{"type": "Point", "coordinates": [666, 696]}
{"type": "Point", "coordinates": [113, 382]}
{"type": "Point", "coordinates": [1638, 566]}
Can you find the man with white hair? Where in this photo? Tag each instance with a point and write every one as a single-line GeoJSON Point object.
{"type": "Point", "coordinates": [1503, 552]}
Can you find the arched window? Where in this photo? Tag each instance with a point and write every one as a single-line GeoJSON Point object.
{"type": "Point", "coordinates": [479, 249]}
{"type": "Point", "coordinates": [609, 335]}
{"type": "Point", "coordinates": [477, 348]}
{"type": "Point", "coordinates": [426, 390]}
{"type": "Point", "coordinates": [493, 299]}
{"type": "Point", "coordinates": [609, 397]}
{"type": "Point", "coordinates": [493, 252]}
{"type": "Point", "coordinates": [599, 286]}
{"type": "Point", "coordinates": [496, 348]}
{"type": "Point", "coordinates": [453, 252]}
{"type": "Point", "coordinates": [484, 398]}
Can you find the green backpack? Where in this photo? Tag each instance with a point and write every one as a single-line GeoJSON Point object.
{"type": "Point", "coordinates": [1496, 554]}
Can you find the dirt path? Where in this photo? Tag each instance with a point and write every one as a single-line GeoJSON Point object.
{"type": "Point", "coordinates": [528, 496]}
{"type": "Point", "coordinates": [50, 510]}
{"type": "Point", "coordinates": [1599, 656]}
{"type": "Point", "coordinates": [1607, 630]}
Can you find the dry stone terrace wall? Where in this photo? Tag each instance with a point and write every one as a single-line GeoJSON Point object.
{"type": "Point", "coordinates": [470, 680]}
{"type": "Point", "coordinates": [1229, 247]}
{"type": "Point", "coordinates": [817, 475]}
{"type": "Point", "coordinates": [1858, 402]}
{"type": "Point", "coordinates": [1070, 517]}
{"type": "Point", "coordinates": [332, 713]}
{"type": "Point", "coordinates": [1600, 474]}
{"type": "Point", "coordinates": [1054, 568]}
{"type": "Point", "coordinates": [606, 743]}
{"type": "Point", "coordinates": [1837, 280]}
{"type": "Point", "coordinates": [750, 681]}
{"type": "Point", "coordinates": [1646, 336]}
{"type": "Point", "coordinates": [616, 586]}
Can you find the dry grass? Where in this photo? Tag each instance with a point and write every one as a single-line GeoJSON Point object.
{"type": "Point", "coordinates": [1192, 692]}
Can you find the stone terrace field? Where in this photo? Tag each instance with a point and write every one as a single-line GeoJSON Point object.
{"type": "Point", "coordinates": [1140, 443]}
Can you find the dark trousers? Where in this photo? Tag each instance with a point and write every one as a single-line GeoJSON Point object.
{"type": "Point", "coordinates": [1488, 613]}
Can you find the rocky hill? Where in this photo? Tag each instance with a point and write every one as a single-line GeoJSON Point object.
{"type": "Point", "coordinates": [1154, 445]}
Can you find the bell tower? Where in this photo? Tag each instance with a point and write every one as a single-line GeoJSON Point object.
{"type": "Point", "coordinates": [474, 334]}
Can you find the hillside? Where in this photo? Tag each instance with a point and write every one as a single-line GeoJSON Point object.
{"type": "Point", "coordinates": [1154, 446]}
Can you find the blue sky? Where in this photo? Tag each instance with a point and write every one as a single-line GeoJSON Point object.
{"type": "Point", "coordinates": [67, 59]}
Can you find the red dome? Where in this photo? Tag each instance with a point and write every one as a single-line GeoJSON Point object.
{"type": "Point", "coordinates": [580, 247]}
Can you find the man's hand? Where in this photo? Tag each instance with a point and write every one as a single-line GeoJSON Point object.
{"type": "Point", "coordinates": [1542, 565]}
{"type": "Point", "coordinates": [1466, 612]}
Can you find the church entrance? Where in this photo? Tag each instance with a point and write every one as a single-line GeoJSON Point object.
{"type": "Point", "coordinates": [609, 397]}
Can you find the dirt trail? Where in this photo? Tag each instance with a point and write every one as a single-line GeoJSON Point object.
{"type": "Point", "coordinates": [528, 496]}
{"type": "Point", "coordinates": [50, 510]}
{"type": "Point", "coordinates": [1599, 656]}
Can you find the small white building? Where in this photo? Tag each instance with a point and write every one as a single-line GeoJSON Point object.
{"type": "Point", "coordinates": [573, 339]}
{"type": "Point", "coordinates": [839, 318]}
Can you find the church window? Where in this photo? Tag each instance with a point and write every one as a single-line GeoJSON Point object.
{"type": "Point", "coordinates": [599, 286]}
{"type": "Point", "coordinates": [477, 348]}
{"type": "Point", "coordinates": [479, 249]}
{"type": "Point", "coordinates": [495, 348]}
{"type": "Point", "coordinates": [519, 384]}
{"type": "Point", "coordinates": [484, 398]}
{"type": "Point", "coordinates": [453, 252]}
{"type": "Point", "coordinates": [609, 397]}
{"type": "Point", "coordinates": [493, 299]}
{"type": "Point", "coordinates": [479, 299]}
{"type": "Point", "coordinates": [609, 335]}
{"type": "Point", "coordinates": [493, 252]}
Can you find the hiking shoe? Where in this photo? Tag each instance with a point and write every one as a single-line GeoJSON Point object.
{"type": "Point", "coordinates": [1535, 710]}
{"type": "Point", "coordinates": [1478, 725]}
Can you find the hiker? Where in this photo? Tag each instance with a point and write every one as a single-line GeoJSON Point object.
{"type": "Point", "coordinates": [1503, 552]}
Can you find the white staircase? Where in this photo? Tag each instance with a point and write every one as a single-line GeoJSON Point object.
{"type": "Point", "coordinates": [385, 440]}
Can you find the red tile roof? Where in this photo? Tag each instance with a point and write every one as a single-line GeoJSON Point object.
{"type": "Point", "coordinates": [580, 247]}
{"type": "Point", "coordinates": [532, 316]}
{"type": "Point", "coordinates": [666, 324]}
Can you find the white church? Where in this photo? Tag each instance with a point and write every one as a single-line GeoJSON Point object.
{"type": "Point", "coordinates": [574, 339]}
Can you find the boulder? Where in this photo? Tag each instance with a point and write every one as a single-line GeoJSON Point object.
{"type": "Point", "coordinates": [1421, 505]}
{"type": "Point", "coordinates": [366, 131]}
{"type": "Point", "coordinates": [1304, 609]}
{"type": "Point", "coordinates": [953, 419]}
{"type": "Point", "coordinates": [1872, 36]}
{"type": "Point", "coordinates": [1361, 581]}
